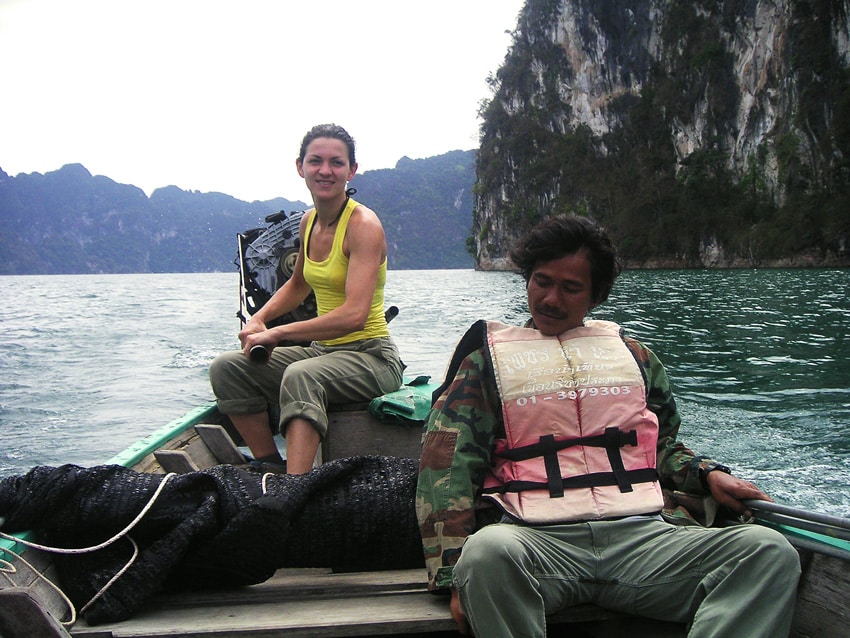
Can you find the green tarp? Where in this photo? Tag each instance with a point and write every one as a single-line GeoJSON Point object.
{"type": "Point", "coordinates": [409, 404]}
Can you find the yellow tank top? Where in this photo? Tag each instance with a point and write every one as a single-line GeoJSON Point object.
{"type": "Point", "coordinates": [327, 279]}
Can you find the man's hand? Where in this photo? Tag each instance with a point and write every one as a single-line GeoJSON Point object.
{"type": "Point", "coordinates": [458, 615]}
{"type": "Point", "coordinates": [729, 491]}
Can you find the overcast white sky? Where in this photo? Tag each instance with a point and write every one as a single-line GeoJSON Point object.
{"type": "Point", "coordinates": [215, 96]}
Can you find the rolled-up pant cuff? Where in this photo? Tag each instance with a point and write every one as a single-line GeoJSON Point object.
{"type": "Point", "coordinates": [303, 410]}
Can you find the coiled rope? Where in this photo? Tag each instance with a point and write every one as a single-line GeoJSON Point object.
{"type": "Point", "coordinates": [9, 568]}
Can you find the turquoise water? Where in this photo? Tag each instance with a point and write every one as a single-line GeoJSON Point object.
{"type": "Point", "coordinates": [758, 359]}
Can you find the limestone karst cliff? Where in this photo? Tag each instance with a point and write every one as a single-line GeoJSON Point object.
{"type": "Point", "coordinates": [704, 133]}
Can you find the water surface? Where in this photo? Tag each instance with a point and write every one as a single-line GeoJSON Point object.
{"type": "Point", "coordinates": [758, 359]}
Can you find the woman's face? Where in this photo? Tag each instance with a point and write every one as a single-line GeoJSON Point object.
{"type": "Point", "coordinates": [325, 167]}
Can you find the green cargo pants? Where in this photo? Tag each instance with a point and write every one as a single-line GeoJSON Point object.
{"type": "Point", "coordinates": [304, 380]}
{"type": "Point", "coordinates": [737, 581]}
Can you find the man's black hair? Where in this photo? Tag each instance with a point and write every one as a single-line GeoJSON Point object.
{"type": "Point", "coordinates": [557, 237]}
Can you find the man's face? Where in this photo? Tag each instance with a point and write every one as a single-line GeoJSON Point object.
{"type": "Point", "coordinates": [559, 293]}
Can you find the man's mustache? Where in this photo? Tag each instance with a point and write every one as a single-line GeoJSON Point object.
{"type": "Point", "coordinates": [549, 311]}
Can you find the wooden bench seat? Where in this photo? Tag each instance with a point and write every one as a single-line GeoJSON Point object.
{"type": "Point", "coordinates": [351, 431]}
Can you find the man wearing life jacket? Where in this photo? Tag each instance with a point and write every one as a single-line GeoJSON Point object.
{"type": "Point", "coordinates": [542, 469]}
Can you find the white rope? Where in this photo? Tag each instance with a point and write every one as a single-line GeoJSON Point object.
{"type": "Point", "coordinates": [7, 567]}
{"type": "Point", "coordinates": [264, 484]}
{"type": "Point", "coordinates": [107, 543]}
{"type": "Point", "coordinates": [117, 575]}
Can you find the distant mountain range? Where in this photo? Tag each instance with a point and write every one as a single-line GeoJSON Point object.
{"type": "Point", "coordinates": [69, 221]}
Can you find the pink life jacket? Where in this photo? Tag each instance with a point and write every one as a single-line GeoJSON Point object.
{"type": "Point", "coordinates": [580, 441]}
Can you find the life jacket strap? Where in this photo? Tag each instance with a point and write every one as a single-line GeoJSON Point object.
{"type": "Point", "coordinates": [596, 479]}
{"type": "Point", "coordinates": [613, 443]}
{"type": "Point", "coordinates": [548, 447]}
{"type": "Point", "coordinates": [525, 452]}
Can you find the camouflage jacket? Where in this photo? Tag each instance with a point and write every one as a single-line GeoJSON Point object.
{"type": "Point", "coordinates": [459, 438]}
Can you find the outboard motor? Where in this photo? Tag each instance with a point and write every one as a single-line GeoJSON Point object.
{"type": "Point", "coordinates": [266, 261]}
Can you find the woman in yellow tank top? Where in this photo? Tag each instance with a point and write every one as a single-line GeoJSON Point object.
{"type": "Point", "coordinates": [351, 357]}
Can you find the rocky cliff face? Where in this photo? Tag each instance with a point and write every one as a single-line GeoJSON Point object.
{"type": "Point", "coordinates": [716, 119]}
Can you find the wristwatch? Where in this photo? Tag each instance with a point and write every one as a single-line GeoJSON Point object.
{"type": "Point", "coordinates": [710, 467]}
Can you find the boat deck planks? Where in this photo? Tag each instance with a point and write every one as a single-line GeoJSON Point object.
{"type": "Point", "coordinates": [823, 602]}
{"type": "Point", "coordinates": [22, 613]}
{"type": "Point", "coordinates": [292, 603]}
{"type": "Point", "coordinates": [313, 603]}
{"type": "Point", "coordinates": [33, 572]}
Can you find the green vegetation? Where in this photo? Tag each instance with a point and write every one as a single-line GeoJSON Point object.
{"type": "Point", "coordinates": [70, 222]}
{"type": "Point", "coordinates": [789, 198]}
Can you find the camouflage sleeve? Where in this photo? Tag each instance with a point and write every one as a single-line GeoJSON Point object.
{"type": "Point", "coordinates": [678, 466]}
{"type": "Point", "coordinates": [456, 455]}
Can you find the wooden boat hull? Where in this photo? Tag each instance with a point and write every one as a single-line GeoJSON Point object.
{"type": "Point", "coordinates": [318, 602]}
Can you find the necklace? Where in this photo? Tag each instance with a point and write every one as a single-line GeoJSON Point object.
{"type": "Point", "coordinates": [348, 194]}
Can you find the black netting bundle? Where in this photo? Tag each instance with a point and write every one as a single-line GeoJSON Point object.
{"type": "Point", "coordinates": [214, 528]}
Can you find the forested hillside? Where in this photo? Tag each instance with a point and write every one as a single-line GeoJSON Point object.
{"type": "Point", "coordinates": [69, 221]}
{"type": "Point", "coordinates": [701, 134]}
{"type": "Point", "coordinates": [426, 209]}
